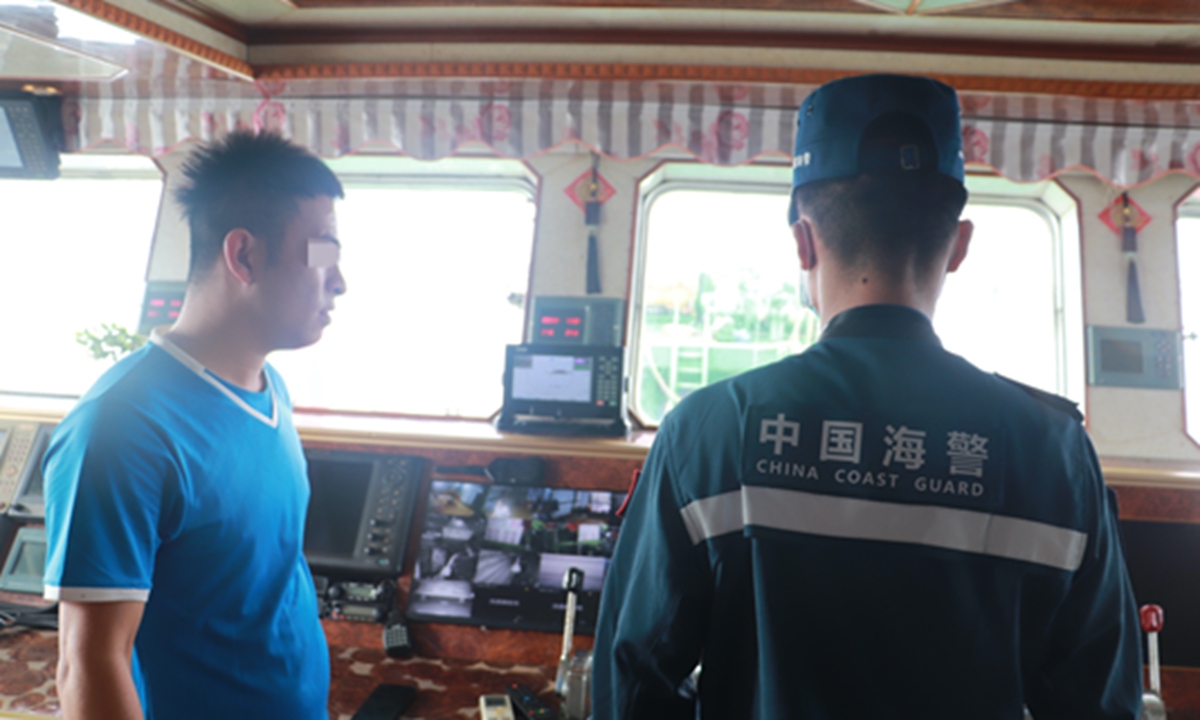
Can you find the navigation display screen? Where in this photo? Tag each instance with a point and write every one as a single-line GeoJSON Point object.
{"type": "Point", "coordinates": [552, 378]}
{"type": "Point", "coordinates": [496, 554]}
{"type": "Point", "coordinates": [339, 490]}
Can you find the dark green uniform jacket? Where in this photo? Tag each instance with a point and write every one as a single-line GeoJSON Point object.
{"type": "Point", "coordinates": [871, 529]}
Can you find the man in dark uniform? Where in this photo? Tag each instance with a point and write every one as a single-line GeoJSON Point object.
{"type": "Point", "coordinates": [873, 528]}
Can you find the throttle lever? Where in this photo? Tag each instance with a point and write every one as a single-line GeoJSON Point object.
{"type": "Point", "coordinates": [572, 582]}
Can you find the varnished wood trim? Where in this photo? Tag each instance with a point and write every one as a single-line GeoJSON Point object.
{"type": "Point", "coordinates": [865, 42]}
{"type": "Point", "coordinates": [1150, 474]}
{"type": "Point", "coordinates": [1159, 504]}
{"type": "Point", "coordinates": [152, 30]}
{"type": "Point", "coordinates": [711, 73]}
{"type": "Point", "coordinates": [49, 417]}
{"type": "Point", "coordinates": [474, 436]}
{"type": "Point", "coordinates": [204, 16]}
{"type": "Point", "coordinates": [1181, 687]}
{"type": "Point", "coordinates": [1143, 11]}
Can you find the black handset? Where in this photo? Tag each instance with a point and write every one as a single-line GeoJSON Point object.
{"type": "Point", "coordinates": [386, 702]}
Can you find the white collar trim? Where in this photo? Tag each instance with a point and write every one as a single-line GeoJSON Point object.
{"type": "Point", "coordinates": [159, 338]}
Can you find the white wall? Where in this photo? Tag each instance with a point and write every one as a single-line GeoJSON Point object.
{"type": "Point", "coordinates": [1131, 422]}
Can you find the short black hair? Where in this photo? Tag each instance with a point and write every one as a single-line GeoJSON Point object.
{"type": "Point", "coordinates": [247, 180]}
{"type": "Point", "coordinates": [886, 220]}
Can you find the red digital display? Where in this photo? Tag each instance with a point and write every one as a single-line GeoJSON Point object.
{"type": "Point", "coordinates": [574, 321]}
{"type": "Point", "coordinates": [176, 303]}
{"type": "Point", "coordinates": [551, 320]}
{"type": "Point", "coordinates": [570, 333]}
{"type": "Point", "coordinates": [548, 332]}
{"type": "Point", "coordinates": [157, 302]}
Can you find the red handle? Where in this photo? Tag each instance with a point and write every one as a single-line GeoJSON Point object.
{"type": "Point", "coordinates": [1152, 618]}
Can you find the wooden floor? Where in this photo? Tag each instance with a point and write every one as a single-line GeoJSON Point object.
{"type": "Point", "coordinates": [445, 688]}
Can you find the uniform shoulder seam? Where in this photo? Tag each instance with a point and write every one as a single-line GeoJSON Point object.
{"type": "Point", "coordinates": [1056, 402]}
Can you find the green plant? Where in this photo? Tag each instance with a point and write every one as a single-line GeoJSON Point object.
{"type": "Point", "coordinates": [111, 341]}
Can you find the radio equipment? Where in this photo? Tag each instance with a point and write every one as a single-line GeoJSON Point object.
{"type": "Point", "coordinates": [577, 320]}
{"type": "Point", "coordinates": [22, 445]}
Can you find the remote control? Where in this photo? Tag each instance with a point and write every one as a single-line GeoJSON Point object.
{"type": "Point", "coordinates": [396, 640]}
{"type": "Point", "coordinates": [495, 707]}
{"type": "Point", "coordinates": [529, 704]}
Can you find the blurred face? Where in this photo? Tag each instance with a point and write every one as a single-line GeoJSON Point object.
{"type": "Point", "coordinates": [300, 283]}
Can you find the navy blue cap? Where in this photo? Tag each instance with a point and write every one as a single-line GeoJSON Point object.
{"type": "Point", "coordinates": [874, 123]}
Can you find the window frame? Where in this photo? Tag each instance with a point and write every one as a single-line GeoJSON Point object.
{"type": "Point", "coordinates": [1188, 208]}
{"type": "Point", "coordinates": [1050, 201]}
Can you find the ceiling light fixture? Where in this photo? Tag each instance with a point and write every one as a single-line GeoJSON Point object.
{"type": "Point", "coordinates": [40, 90]}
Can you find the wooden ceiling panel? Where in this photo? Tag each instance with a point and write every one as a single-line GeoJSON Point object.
{"type": "Point", "coordinates": [1140, 11]}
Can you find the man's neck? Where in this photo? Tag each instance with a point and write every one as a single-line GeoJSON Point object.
{"type": "Point", "coordinates": [838, 292]}
{"type": "Point", "coordinates": [221, 341]}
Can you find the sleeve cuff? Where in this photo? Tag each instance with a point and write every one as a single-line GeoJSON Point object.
{"type": "Point", "coordinates": [88, 594]}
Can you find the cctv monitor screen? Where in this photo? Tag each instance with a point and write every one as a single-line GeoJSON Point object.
{"type": "Point", "coordinates": [496, 555]}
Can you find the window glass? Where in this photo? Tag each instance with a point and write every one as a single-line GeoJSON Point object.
{"type": "Point", "coordinates": [1188, 230]}
{"type": "Point", "coordinates": [436, 278]}
{"type": "Point", "coordinates": [999, 310]}
{"type": "Point", "coordinates": [74, 256]}
{"type": "Point", "coordinates": [720, 294]}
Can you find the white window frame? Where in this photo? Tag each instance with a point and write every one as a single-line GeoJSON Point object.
{"type": "Point", "coordinates": [1047, 199]}
{"type": "Point", "coordinates": [1190, 209]}
{"type": "Point", "coordinates": [471, 173]}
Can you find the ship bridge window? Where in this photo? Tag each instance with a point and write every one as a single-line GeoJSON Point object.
{"type": "Point", "coordinates": [1188, 250]}
{"type": "Point", "coordinates": [74, 256]}
{"type": "Point", "coordinates": [719, 290]}
{"type": "Point", "coordinates": [436, 257]}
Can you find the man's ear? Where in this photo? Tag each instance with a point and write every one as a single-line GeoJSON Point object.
{"type": "Point", "coordinates": [962, 242]}
{"type": "Point", "coordinates": [243, 254]}
{"type": "Point", "coordinates": [806, 244]}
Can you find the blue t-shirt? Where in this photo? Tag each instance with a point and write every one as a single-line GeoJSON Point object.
{"type": "Point", "coordinates": [167, 486]}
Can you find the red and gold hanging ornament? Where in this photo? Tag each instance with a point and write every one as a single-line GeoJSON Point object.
{"type": "Point", "coordinates": [1126, 218]}
{"type": "Point", "coordinates": [589, 191]}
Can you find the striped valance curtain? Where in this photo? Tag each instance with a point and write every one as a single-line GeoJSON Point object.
{"type": "Point", "coordinates": [1024, 138]}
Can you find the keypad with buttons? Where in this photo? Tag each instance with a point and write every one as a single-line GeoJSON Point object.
{"type": "Point", "coordinates": [16, 457]}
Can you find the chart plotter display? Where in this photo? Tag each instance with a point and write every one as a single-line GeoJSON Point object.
{"type": "Point", "coordinates": [495, 555]}
{"type": "Point", "coordinates": [563, 389]}
{"type": "Point", "coordinates": [552, 377]}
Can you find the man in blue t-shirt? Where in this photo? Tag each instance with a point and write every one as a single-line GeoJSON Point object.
{"type": "Point", "coordinates": [176, 490]}
{"type": "Point", "coordinates": [873, 528]}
